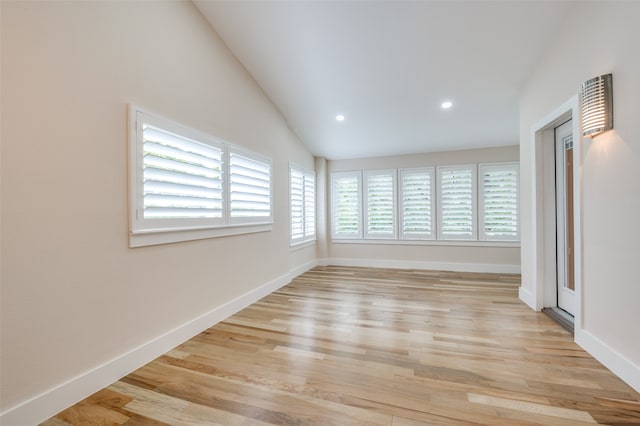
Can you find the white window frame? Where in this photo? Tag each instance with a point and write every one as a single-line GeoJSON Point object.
{"type": "Point", "coordinates": [308, 183]}
{"type": "Point", "coordinates": [145, 232]}
{"type": "Point", "coordinates": [334, 206]}
{"type": "Point", "coordinates": [442, 234]}
{"type": "Point", "coordinates": [429, 171]}
{"type": "Point", "coordinates": [368, 234]}
{"type": "Point", "coordinates": [511, 166]}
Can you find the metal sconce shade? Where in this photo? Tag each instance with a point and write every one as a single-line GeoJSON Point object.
{"type": "Point", "coordinates": [597, 105]}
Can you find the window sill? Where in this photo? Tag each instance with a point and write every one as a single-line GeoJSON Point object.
{"type": "Point", "coordinates": [302, 244]}
{"type": "Point", "coordinates": [151, 238]}
{"type": "Point", "coordinates": [459, 243]}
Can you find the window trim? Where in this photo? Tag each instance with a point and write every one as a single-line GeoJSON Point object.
{"type": "Point", "coordinates": [306, 173]}
{"type": "Point", "coordinates": [454, 243]}
{"type": "Point", "coordinates": [149, 232]}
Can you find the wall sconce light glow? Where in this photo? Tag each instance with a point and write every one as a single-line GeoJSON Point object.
{"type": "Point", "coordinates": [446, 105]}
{"type": "Point", "coordinates": [339, 117]}
{"type": "Point", "coordinates": [597, 105]}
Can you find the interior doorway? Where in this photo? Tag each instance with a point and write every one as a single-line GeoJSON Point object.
{"type": "Point", "coordinates": [565, 250]}
{"type": "Point", "coordinates": [556, 215]}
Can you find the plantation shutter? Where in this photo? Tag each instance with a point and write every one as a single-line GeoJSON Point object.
{"type": "Point", "coordinates": [346, 199]}
{"type": "Point", "coordinates": [380, 194]}
{"type": "Point", "coordinates": [309, 206]}
{"type": "Point", "coordinates": [182, 178]}
{"type": "Point", "coordinates": [416, 204]}
{"type": "Point", "coordinates": [249, 187]}
{"type": "Point", "coordinates": [499, 202]}
{"type": "Point", "coordinates": [302, 204]}
{"type": "Point", "coordinates": [457, 198]}
{"type": "Point", "coordinates": [296, 206]}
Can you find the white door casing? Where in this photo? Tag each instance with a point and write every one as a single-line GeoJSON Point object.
{"type": "Point", "coordinates": [537, 291]}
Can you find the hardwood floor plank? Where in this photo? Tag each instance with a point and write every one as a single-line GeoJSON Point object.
{"type": "Point", "coordinates": [361, 346]}
{"type": "Point", "coordinates": [175, 411]}
{"type": "Point", "coordinates": [531, 407]}
{"type": "Point", "coordinates": [55, 421]}
{"type": "Point", "coordinates": [619, 403]}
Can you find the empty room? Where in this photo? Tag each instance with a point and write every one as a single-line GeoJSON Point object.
{"type": "Point", "coordinates": [395, 213]}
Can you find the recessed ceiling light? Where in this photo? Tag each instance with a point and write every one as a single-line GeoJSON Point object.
{"type": "Point", "coordinates": [446, 104]}
{"type": "Point", "coordinates": [339, 117]}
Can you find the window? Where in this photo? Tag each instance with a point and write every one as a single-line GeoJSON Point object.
{"type": "Point", "coordinates": [447, 204]}
{"type": "Point", "coordinates": [296, 204]}
{"type": "Point", "coordinates": [302, 205]}
{"type": "Point", "coordinates": [186, 185]}
{"type": "Point", "coordinates": [310, 206]}
{"type": "Point", "coordinates": [457, 199]}
{"type": "Point", "coordinates": [499, 202]}
{"type": "Point", "coordinates": [181, 179]}
{"type": "Point", "coordinates": [380, 196]}
{"type": "Point", "coordinates": [417, 204]}
{"type": "Point", "coordinates": [346, 205]}
{"type": "Point", "coordinates": [249, 187]}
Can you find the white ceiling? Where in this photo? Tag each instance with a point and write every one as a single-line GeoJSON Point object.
{"type": "Point", "coordinates": [388, 65]}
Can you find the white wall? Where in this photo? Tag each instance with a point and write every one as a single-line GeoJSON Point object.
{"type": "Point", "coordinates": [74, 295]}
{"type": "Point", "coordinates": [597, 39]}
{"type": "Point", "coordinates": [446, 257]}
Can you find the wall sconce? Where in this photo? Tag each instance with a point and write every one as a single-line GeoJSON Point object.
{"type": "Point", "coordinates": [597, 105]}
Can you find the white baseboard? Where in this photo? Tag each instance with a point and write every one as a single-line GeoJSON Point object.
{"type": "Point", "coordinates": [610, 358]}
{"type": "Point", "coordinates": [436, 266]}
{"type": "Point", "coordinates": [52, 401]}
{"type": "Point", "coordinates": [527, 297]}
{"type": "Point", "coordinates": [299, 270]}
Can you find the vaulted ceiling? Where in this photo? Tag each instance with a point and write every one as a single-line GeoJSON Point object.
{"type": "Point", "coordinates": [387, 66]}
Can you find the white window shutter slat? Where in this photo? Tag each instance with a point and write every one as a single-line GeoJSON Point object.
{"type": "Point", "coordinates": [296, 206]}
{"type": "Point", "coordinates": [302, 205]}
{"type": "Point", "coordinates": [457, 202]}
{"type": "Point", "coordinates": [182, 178]}
{"type": "Point", "coordinates": [499, 202]}
{"type": "Point", "coordinates": [346, 203]}
{"type": "Point", "coordinates": [309, 206]}
{"type": "Point", "coordinates": [417, 205]}
{"type": "Point", "coordinates": [249, 187]}
{"type": "Point", "coordinates": [380, 211]}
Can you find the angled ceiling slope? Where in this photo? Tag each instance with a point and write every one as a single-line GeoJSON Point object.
{"type": "Point", "coordinates": [388, 66]}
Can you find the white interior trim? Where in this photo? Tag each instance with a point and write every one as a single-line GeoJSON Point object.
{"type": "Point", "coordinates": [425, 265]}
{"type": "Point", "coordinates": [526, 296]}
{"type": "Point", "coordinates": [301, 269]}
{"type": "Point", "coordinates": [425, 242]}
{"type": "Point", "coordinates": [569, 109]}
{"type": "Point", "coordinates": [166, 237]}
{"type": "Point", "coordinates": [56, 399]}
{"type": "Point", "coordinates": [622, 367]}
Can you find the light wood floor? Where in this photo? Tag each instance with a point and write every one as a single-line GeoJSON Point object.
{"type": "Point", "coordinates": [356, 346]}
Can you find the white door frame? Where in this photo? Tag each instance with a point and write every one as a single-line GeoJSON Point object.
{"type": "Point", "coordinates": [566, 299]}
{"type": "Point", "coordinates": [542, 134]}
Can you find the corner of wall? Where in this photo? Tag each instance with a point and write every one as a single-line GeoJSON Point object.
{"type": "Point", "coordinates": [609, 357]}
{"type": "Point", "coordinates": [527, 297]}
{"type": "Point", "coordinates": [52, 401]}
